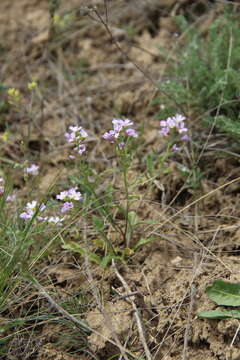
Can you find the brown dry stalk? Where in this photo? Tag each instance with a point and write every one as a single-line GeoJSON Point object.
{"type": "Point", "coordinates": [136, 314]}
{"type": "Point", "coordinates": [80, 324]}
{"type": "Point", "coordinates": [96, 295]}
{"type": "Point", "coordinates": [137, 66]}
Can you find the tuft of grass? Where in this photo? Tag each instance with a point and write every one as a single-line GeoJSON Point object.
{"type": "Point", "coordinates": [205, 76]}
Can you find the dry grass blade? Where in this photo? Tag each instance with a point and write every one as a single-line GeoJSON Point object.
{"type": "Point", "coordinates": [136, 314]}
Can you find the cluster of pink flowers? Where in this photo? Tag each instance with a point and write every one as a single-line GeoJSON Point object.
{"type": "Point", "coordinates": [68, 196]}
{"type": "Point", "coordinates": [121, 129]}
{"type": "Point", "coordinates": [77, 135]}
{"type": "Point", "coordinates": [32, 207]}
{"type": "Point", "coordinates": [30, 210]}
{"type": "Point", "coordinates": [174, 123]}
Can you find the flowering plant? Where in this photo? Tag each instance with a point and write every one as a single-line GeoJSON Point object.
{"type": "Point", "coordinates": [68, 196]}
{"type": "Point", "coordinates": [174, 126]}
{"type": "Point", "coordinates": [120, 132]}
{"type": "Point", "coordinates": [77, 135]}
{"type": "Point", "coordinates": [31, 209]}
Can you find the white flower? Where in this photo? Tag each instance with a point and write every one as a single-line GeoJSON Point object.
{"type": "Point", "coordinates": [55, 220]}
{"type": "Point", "coordinates": [32, 169]}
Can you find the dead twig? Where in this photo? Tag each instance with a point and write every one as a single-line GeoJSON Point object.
{"type": "Point", "coordinates": [96, 295]}
{"type": "Point", "coordinates": [137, 66]}
{"type": "Point", "coordinates": [80, 324]}
{"type": "Point", "coordinates": [189, 318]}
{"type": "Point", "coordinates": [136, 314]}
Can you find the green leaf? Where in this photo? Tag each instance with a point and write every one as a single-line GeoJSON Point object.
{"type": "Point", "coordinates": [143, 241]}
{"type": "Point", "coordinates": [218, 314]}
{"type": "Point", "coordinates": [107, 259]}
{"type": "Point", "coordinates": [150, 165]}
{"type": "Point", "coordinates": [132, 218]}
{"type": "Point", "coordinates": [148, 222]}
{"type": "Point", "coordinates": [80, 250]}
{"type": "Point", "coordinates": [224, 293]}
{"type": "Point", "coordinates": [98, 223]}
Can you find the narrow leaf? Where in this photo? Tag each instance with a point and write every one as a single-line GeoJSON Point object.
{"type": "Point", "coordinates": [218, 314]}
{"type": "Point", "coordinates": [83, 252]}
{"type": "Point", "coordinates": [143, 241]}
{"type": "Point", "coordinates": [98, 223]}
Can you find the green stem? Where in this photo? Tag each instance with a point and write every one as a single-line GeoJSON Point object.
{"type": "Point", "coordinates": [126, 237]}
{"type": "Point", "coordinates": [101, 210]}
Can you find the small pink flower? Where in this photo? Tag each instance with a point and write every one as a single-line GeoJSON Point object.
{"type": "Point", "coordinates": [32, 170]}
{"type": "Point", "coordinates": [80, 149]}
{"type": "Point", "coordinates": [74, 194]}
{"type": "Point", "coordinates": [66, 207]}
{"type": "Point", "coordinates": [171, 123]}
{"type": "Point", "coordinates": [11, 197]}
{"type": "Point", "coordinates": [179, 118]}
{"type": "Point", "coordinates": [77, 136]}
{"type": "Point", "coordinates": [163, 123]}
{"type": "Point", "coordinates": [25, 216]}
{"type": "Point", "coordinates": [70, 137]}
{"type": "Point", "coordinates": [185, 138]}
{"type": "Point", "coordinates": [30, 210]}
{"type": "Point", "coordinates": [54, 220]}
{"type": "Point", "coordinates": [175, 148]}
{"type": "Point", "coordinates": [181, 128]}
{"type": "Point", "coordinates": [164, 131]}
{"type": "Point", "coordinates": [109, 135]}
{"type": "Point", "coordinates": [118, 126]}
{"type": "Point", "coordinates": [176, 122]}
{"type": "Point", "coordinates": [131, 132]}
{"type": "Point", "coordinates": [63, 195]}
{"type": "Point", "coordinates": [71, 194]}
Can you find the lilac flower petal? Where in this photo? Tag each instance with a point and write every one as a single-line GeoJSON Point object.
{"type": "Point", "coordinates": [25, 216]}
{"type": "Point", "coordinates": [175, 148]}
{"type": "Point", "coordinates": [31, 208]}
{"type": "Point", "coordinates": [164, 131]}
{"type": "Point", "coordinates": [11, 197]}
{"type": "Point", "coordinates": [54, 220]}
{"type": "Point", "coordinates": [163, 123]}
{"type": "Point", "coordinates": [179, 118]}
{"type": "Point", "coordinates": [171, 123]}
{"type": "Point", "coordinates": [70, 137]}
{"type": "Point", "coordinates": [73, 194]}
{"type": "Point", "coordinates": [62, 196]}
{"type": "Point", "coordinates": [121, 145]}
{"type": "Point", "coordinates": [66, 207]}
{"type": "Point", "coordinates": [185, 138]}
{"type": "Point", "coordinates": [182, 130]}
{"type": "Point", "coordinates": [109, 135]}
{"type": "Point", "coordinates": [42, 207]}
{"type": "Point", "coordinates": [32, 170]}
{"type": "Point", "coordinates": [131, 132]}
{"type": "Point", "coordinates": [83, 133]}
{"type": "Point", "coordinates": [31, 205]}
{"type": "Point", "coordinates": [80, 149]}
{"type": "Point", "coordinates": [40, 218]}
